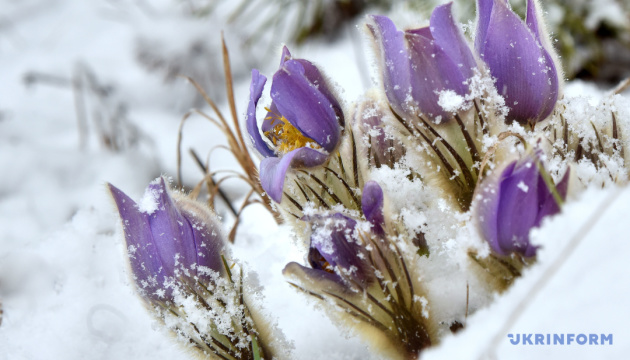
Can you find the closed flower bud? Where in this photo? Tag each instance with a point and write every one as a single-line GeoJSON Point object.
{"type": "Point", "coordinates": [418, 64]}
{"type": "Point", "coordinates": [168, 237]}
{"type": "Point", "coordinates": [512, 202]}
{"type": "Point", "coordinates": [519, 56]}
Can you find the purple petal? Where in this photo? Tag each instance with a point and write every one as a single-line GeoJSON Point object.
{"type": "Point", "coordinates": [314, 279]}
{"type": "Point", "coordinates": [432, 71]}
{"type": "Point", "coordinates": [273, 170]}
{"type": "Point", "coordinates": [255, 92]}
{"type": "Point", "coordinates": [305, 106]}
{"type": "Point", "coordinates": [548, 204]}
{"type": "Point", "coordinates": [488, 207]}
{"type": "Point", "coordinates": [484, 12]}
{"type": "Point", "coordinates": [531, 19]}
{"type": "Point", "coordinates": [525, 74]}
{"type": "Point", "coordinates": [450, 40]}
{"type": "Point", "coordinates": [518, 206]}
{"type": "Point", "coordinates": [145, 262]}
{"type": "Point", "coordinates": [208, 240]}
{"type": "Point", "coordinates": [286, 55]}
{"type": "Point", "coordinates": [372, 205]}
{"type": "Point", "coordinates": [316, 78]}
{"type": "Point", "coordinates": [332, 242]}
{"type": "Point", "coordinates": [172, 233]}
{"type": "Point", "coordinates": [394, 60]}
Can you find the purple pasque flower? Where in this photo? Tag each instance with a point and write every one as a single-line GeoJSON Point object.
{"type": "Point", "coordinates": [418, 64]}
{"type": "Point", "coordinates": [303, 123]}
{"type": "Point", "coordinates": [337, 254]}
{"type": "Point", "coordinates": [519, 56]}
{"type": "Point", "coordinates": [168, 238]}
{"type": "Point", "coordinates": [512, 202]}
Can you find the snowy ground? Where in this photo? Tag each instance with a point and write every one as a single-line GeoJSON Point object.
{"type": "Point", "coordinates": [63, 286]}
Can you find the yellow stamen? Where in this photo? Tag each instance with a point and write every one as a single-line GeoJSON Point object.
{"type": "Point", "coordinates": [285, 136]}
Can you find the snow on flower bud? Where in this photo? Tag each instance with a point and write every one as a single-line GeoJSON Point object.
{"type": "Point", "coordinates": [168, 237]}
{"type": "Point", "coordinates": [175, 250]}
{"type": "Point", "coordinates": [364, 281]}
{"type": "Point", "coordinates": [512, 202]}
{"type": "Point", "coordinates": [376, 144]}
{"type": "Point", "coordinates": [519, 56]}
{"type": "Point", "coordinates": [303, 122]}
{"type": "Point", "coordinates": [418, 64]}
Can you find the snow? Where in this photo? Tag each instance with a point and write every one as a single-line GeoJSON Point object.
{"type": "Point", "coordinates": [65, 289]}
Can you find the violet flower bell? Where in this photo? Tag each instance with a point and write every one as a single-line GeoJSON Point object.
{"type": "Point", "coordinates": [519, 56]}
{"type": "Point", "coordinates": [418, 64]}
{"type": "Point", "coordinates": [513, 202]}
{"type": "Point", "coordinates": [169, 238]}
{"type": "Point", "coordinates": [303, 123]}
{"type": "Point", "coordinates": [338, 256]}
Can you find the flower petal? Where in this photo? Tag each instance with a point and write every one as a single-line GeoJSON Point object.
{"type": "Point", "coordinates": [208, 238]}
{"type": "Point", "coordinates": [450, 39]}
{"type": "Point", "coordinates": [518, 206]}
{"type": "Point", "coordinates": [145, 262]}
{"type": "Point", "coordinates": [394, 59]}
{"type": "Point", "coordinates": [255, 92]}
{"type": "Point", "coordinates": [316, 281]}
{"type": "Point", "coordinates": [273, 170]}
{"type": "Point", "coordinates": [487, 207]}
{"type": "Point", "coordinates": [304, 105]}
{"type": "Point", "coordinates": [333, 239]}
{"type": "Point", "coordinates": [372, 205]}
{"type": "Point", "coordinates": [525, 73]}
{"type": "Point", "coordinates": [172, 233]}
{"type": "Point", "coordinates": [548, 205]}
{"type": "Point", "coordinates": [484, 11]}
{"type": "Point", "coordinates": [432, 71]}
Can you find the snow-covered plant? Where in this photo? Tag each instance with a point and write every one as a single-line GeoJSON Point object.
{"type": "Point", "coordinates": [357, 267]}
{"type": "Point", "coordinates": [418, 64]}
{"type": "Point", "coordinates": [471, 146]}
{"type": "Point", "coordinates": [424, 189]}
{"type": "Point", "coordinates": [181, 269]}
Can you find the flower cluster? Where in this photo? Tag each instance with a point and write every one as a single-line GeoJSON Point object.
{"type": "Point", "coordinates": [432, 181]}
{"type": "Point", "coordinates": [453, 118]}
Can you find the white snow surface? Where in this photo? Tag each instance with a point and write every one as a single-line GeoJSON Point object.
{"type": "Point", "coordinates": [64, 286]}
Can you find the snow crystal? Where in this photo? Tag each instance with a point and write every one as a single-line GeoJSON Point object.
{"type": "Point", "coordinates": [450, 101]}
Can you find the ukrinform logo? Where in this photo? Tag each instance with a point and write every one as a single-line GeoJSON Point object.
{"type": "Point", "coordinates": [560, 339]}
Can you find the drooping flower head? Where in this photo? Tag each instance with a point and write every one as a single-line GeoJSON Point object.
{"type": "Point", "coordinates": [418, 64]}
{"type": "Point", "coordinates": [337, 253]}
{"type": "Point", "coordinates": [168, 238]}
{"type": "Point", "coordinates": [512, 202]}
{"type": "Point", "coordinates": [303, 123]}
{"type": "Point", "coordinates": [520, 57]}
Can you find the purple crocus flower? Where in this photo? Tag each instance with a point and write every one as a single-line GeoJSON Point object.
{"type": "Point", "coordinates": [418, 64]}
{"type": "Point", "coordinates": [168, 239]}
{"type": "Point", "coordinates": [510, 205]}
{"type": "Point", "coordinates": [519, 57]}
{"type": "Point", "coordinates": [303, 122]}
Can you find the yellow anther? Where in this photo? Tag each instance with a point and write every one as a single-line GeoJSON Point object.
{"type": "Point", "coordinates": [284, 135]}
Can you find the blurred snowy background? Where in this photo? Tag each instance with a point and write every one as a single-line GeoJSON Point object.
{"type": "Point", "coordinates": [90, 93]}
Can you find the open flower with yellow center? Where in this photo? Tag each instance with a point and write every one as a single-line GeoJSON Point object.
{"type": "Point", "coordinates": [303, 123]}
